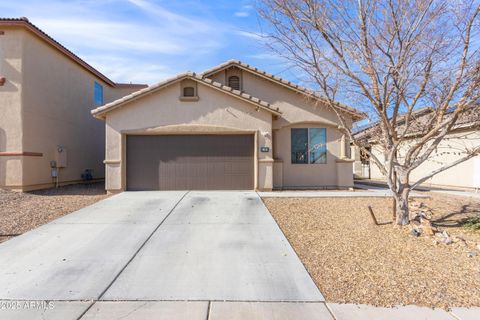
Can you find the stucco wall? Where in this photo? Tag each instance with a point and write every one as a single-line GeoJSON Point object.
{"type": "Point", "coordinates": [299, 112]}
{"type": "Point", "coordinates": [295, 107]}
{"type": "Point", "coordinates": [308, 175]}
{"type": "Point", "coordinates": [52, 110]}
{"type": "Point", "coordinates": [163, 113]}
{"type": "Point", "coordinates": [466, 174]}
{"type": "Point", "coordinates": [11, 49]}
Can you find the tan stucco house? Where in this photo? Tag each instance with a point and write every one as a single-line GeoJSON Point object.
{"type": "Point", "coordinates": [464, 136]}
{"type": "Point", "coordinates": [230, 127]}
{"type": "Point", "coordinates": [46, 95]}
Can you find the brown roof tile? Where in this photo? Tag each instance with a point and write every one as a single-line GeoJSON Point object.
{"type": "Point", "coordinates": [237, 63]}
{"type": "Point", "coordinates": [419, 119]}
{"type": "Point", "coordinates": [98, 112]}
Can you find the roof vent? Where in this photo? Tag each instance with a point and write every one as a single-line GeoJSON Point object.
{"type": "Point", "coordinates": [24, 19]}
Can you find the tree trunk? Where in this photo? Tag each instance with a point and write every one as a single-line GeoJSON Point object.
{"type": "Point", "coordinates": [403, 214]}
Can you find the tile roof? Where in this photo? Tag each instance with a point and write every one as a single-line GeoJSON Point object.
{"type": "Point", "coordinates": [237, 63]}
{"type": "Point", "coordinates": [98, 112]}
{"type": "Point", "coordinates": [24, 22]}
{"type": "Point", "coordinates": [419, 119]}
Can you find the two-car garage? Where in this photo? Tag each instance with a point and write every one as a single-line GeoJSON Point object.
{"type": "Point", "coordinates": [190, 162]}
{"type": "Point", "coordinates": [158, 138]}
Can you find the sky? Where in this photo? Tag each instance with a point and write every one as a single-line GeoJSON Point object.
{"type": "Point", "coordinates": [146, 41]}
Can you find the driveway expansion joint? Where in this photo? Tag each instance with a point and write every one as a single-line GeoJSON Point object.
{"type": "Point", "coordinates": [141, 246]}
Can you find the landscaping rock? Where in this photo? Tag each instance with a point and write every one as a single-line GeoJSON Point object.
{"type": "Point", "coordinates": [428, 231]}
{"type": "Point", "coordinates": [459, 239]}
{"type": "Point", "coordinates": [353, 262]}
{"type": "Point", "coordinates": [23, 211]}
{"type": "Point", "coordinates": [448, 241]}
{"type": "Point", "coordinates": [416, 232]}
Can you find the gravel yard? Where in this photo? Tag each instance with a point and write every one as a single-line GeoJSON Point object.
{"type": "Point", "coordinates": [354, 261]}
{"type": "Point", "coordinates": [20, 212]}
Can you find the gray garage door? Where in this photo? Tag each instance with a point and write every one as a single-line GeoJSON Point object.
{"type": "Point", "coordinates": [196, 162]}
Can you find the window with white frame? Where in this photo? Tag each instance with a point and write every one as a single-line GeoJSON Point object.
{"type": "Point", "coordinates": [309, 145]}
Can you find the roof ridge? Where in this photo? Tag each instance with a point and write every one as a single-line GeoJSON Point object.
{"type": "Point", "coordinates": [237, 92]}
{"type": "Point", "coordinates": [181, 76]}
{"type": "Point", "coordinates": [287, 83]}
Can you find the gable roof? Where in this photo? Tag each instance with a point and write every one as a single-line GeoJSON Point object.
{"type": "Point", "coordinates": [357, 115]}
{"type": "Point", "coordinates": [469, 120]}
{"type": "Point", "coordinates": [25, 23]}
{"type": "Point", "coordinates": [101, 111]}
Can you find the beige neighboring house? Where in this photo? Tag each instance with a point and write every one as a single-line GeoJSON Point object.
{"type": "Point", "coordinates": [46, 95]}
{"type": "Point", "coordinates": [231, 127]}
{"type": "Point", "coordinates": [465, 135]}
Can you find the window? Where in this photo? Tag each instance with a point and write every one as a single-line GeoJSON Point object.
{"type": "Point", "coordinates": [299, 145]}
{"type": "Point", "coordinates": [317, 145]}
{"type": "Point", "coordinates": [309, 145]}
{"type": "Point", "coordinates": [97, 94]}
{"type": "Point", "coordinates": [189, 92]}
{"type": "Point", "coordinates": [234, 82]}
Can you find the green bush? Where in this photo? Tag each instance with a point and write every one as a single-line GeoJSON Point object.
{"type": "Point", "coordinates": [472, 223]}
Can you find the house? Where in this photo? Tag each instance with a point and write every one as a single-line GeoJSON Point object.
{"type": "Point", "coordinates": [465, 134]}
{"type": "Point", "coordinates": [47, 134]}
{"type": "Point", "coordinates": [230, 127]}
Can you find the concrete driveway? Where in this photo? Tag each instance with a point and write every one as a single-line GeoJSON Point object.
{"type": "Point", "coordinates": [150, 250]}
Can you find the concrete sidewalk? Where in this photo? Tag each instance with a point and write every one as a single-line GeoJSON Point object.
{"type": "Point", "coordinates": [236, 310]}
{"type": "Point", "coordinates": [361, 191]}
{"type": "Point", "coordinates": [469, 194]}
{"type": "Point", "coordinates": [358, 192]}
{"type": "Point", "coordinates": [379, 185]}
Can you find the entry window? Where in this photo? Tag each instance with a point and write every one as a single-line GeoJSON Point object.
{"type": "Point", "coordinates": [234, 82]}
{"type": "Point", "coordinates": [309, 145]}
{"type": "Point", "coordinates": [97, 94]}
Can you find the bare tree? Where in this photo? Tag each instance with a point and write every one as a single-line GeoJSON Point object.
{"type": "Point", "coordinates": [388, 58]}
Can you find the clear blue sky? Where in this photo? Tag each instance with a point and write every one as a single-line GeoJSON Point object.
{"type": "Point", "coordinates": [149, 40]}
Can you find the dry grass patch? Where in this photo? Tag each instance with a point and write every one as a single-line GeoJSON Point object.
{"type": "Point", "coordinates": [354, 261]}
{"type": "Point", "coordinates": [20, 212]}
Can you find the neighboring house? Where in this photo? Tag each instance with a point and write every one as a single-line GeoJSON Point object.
{"type": "Point", "coordinates": [466, 134]}
{"type": "Point", "coordinates": [46, 94]}
{"type": "Point", "coordinates": [231, 127]}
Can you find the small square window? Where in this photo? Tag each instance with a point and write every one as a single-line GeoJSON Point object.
{"type": "Point", "coordinates": [189, 92]}
{"type": "Point", "coordinates": [234, 82]}
{"type": "Point", "coordinates": [97, 94]}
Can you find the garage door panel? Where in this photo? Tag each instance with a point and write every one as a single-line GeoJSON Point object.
{"type": "Point", "coordinates": [200, 162]}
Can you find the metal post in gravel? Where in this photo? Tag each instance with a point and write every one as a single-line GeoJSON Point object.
{"type": "Point", "coordinates": [373, 215]}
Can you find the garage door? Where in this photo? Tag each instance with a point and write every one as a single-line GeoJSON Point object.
{"type": "Point", "coordinates": [197, 162]}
